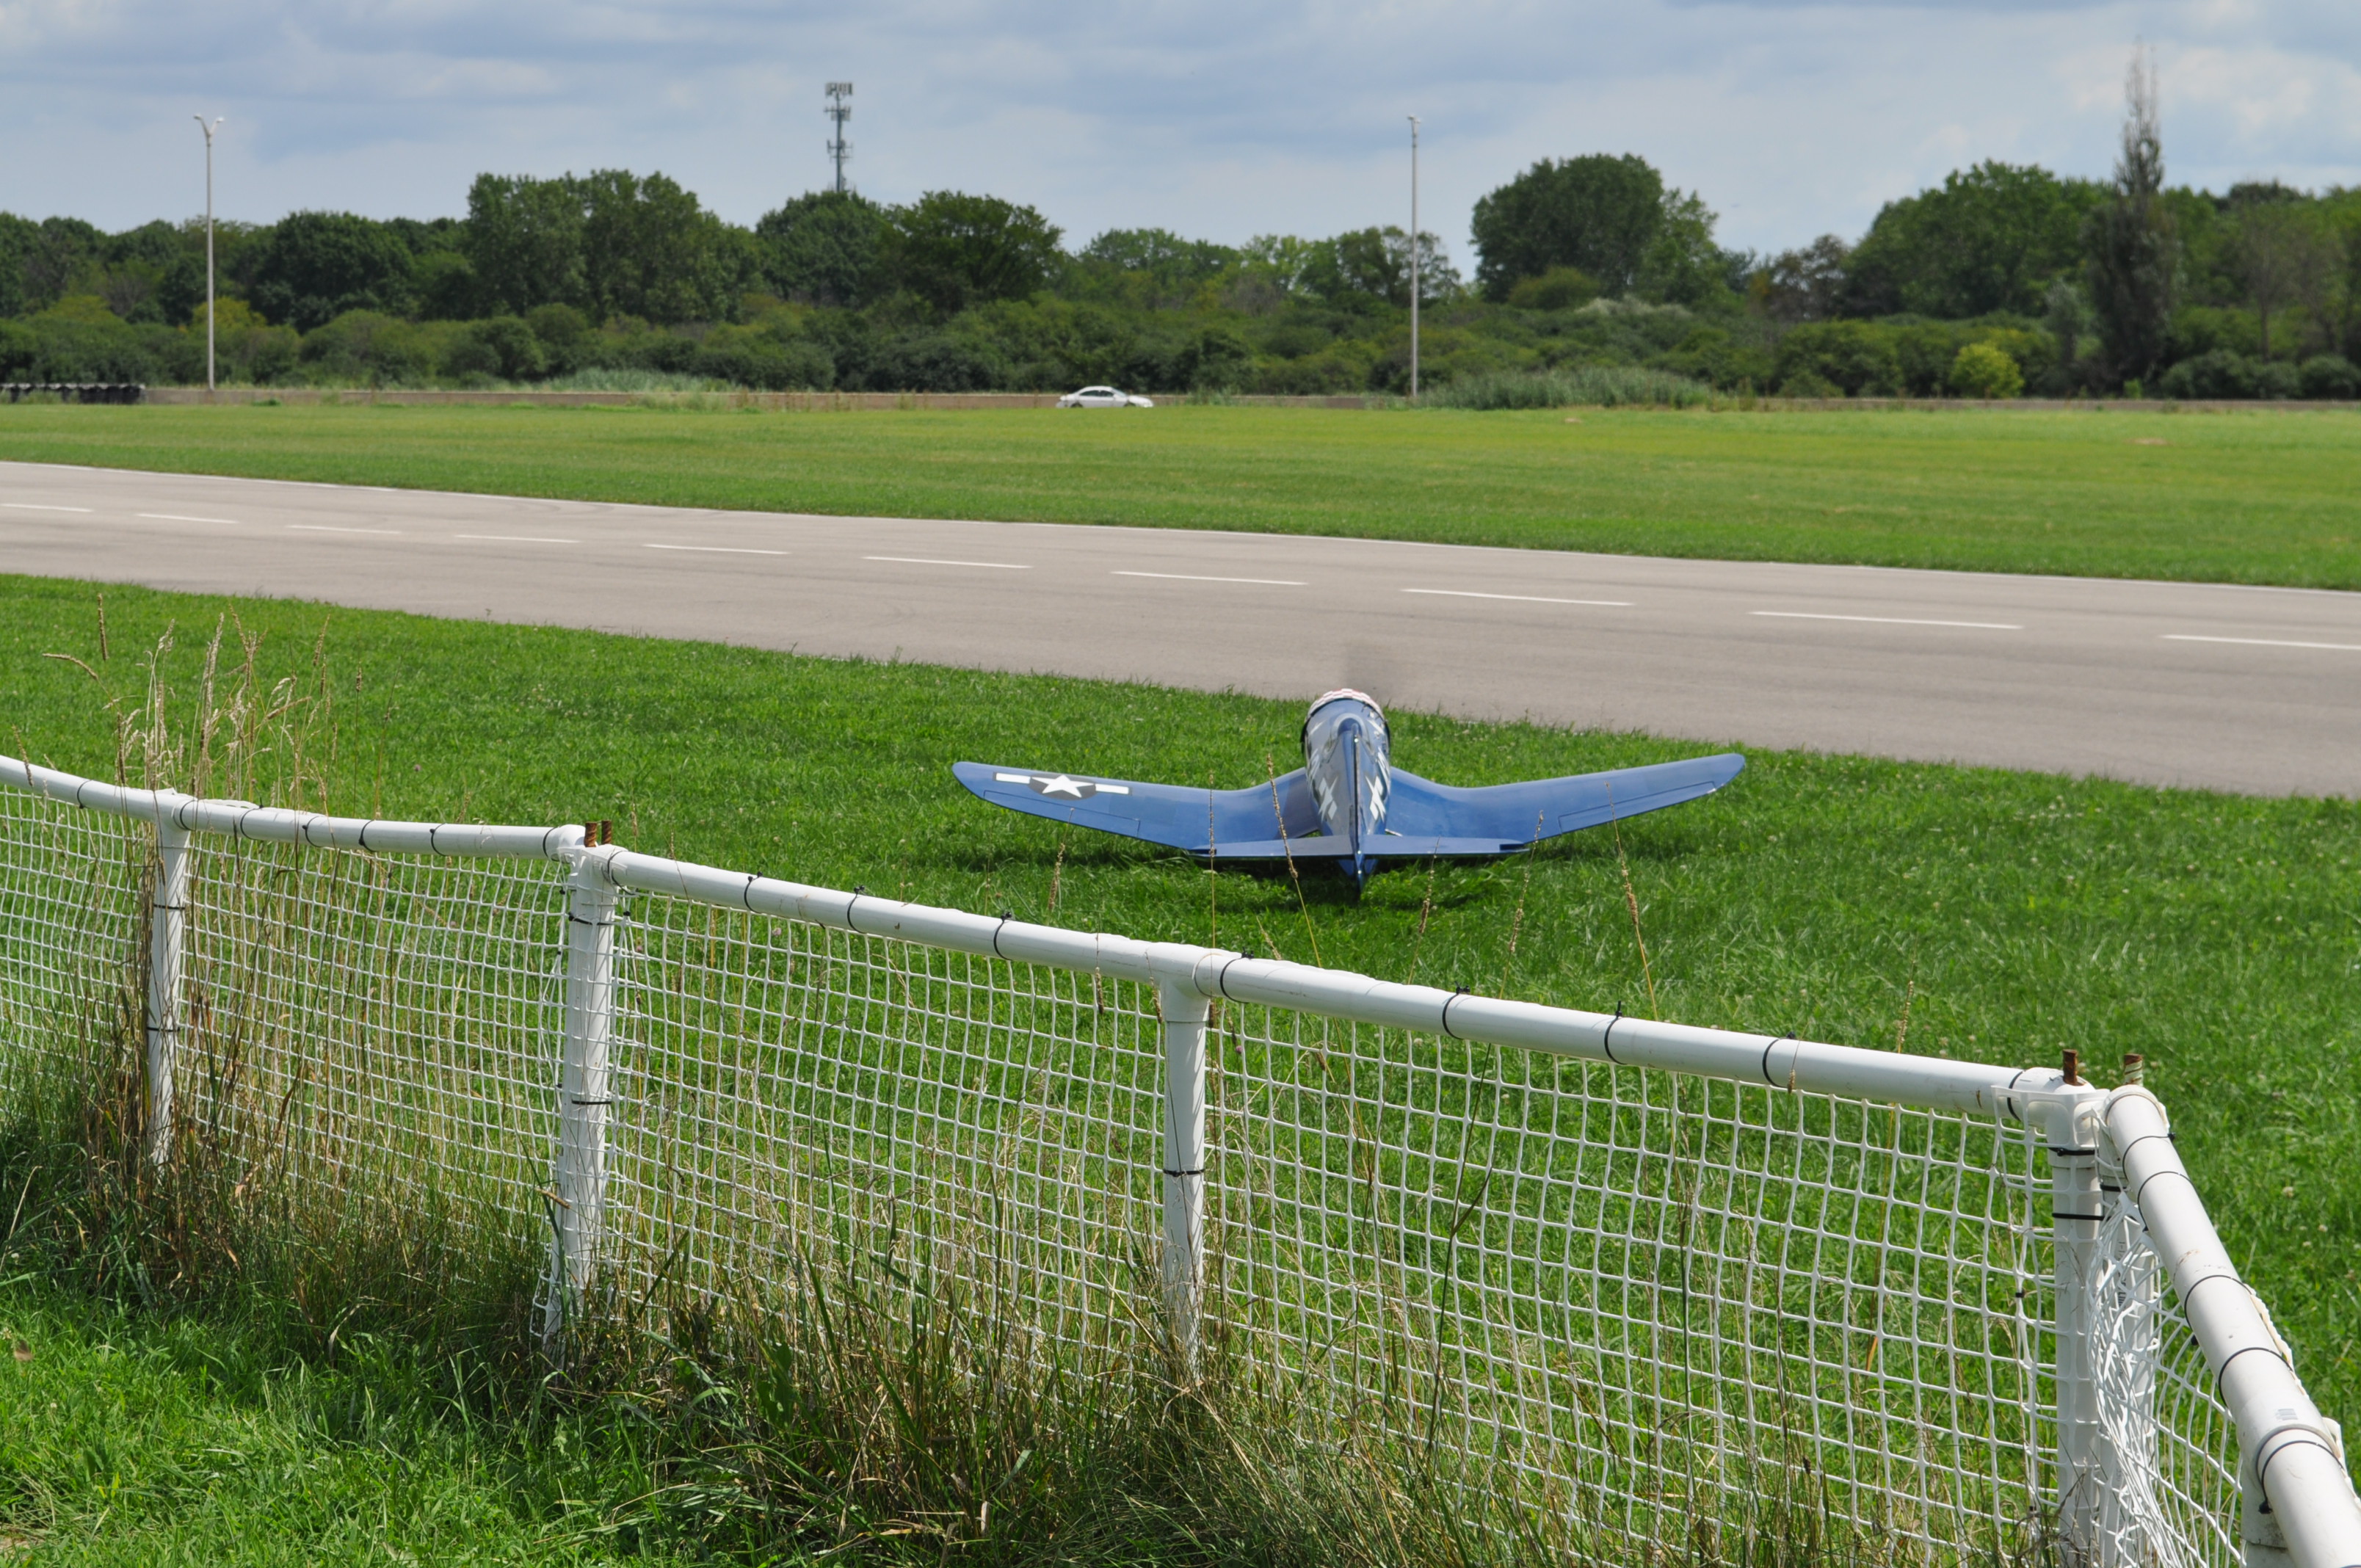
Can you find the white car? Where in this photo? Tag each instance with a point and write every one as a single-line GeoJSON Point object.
{"type": "Point", "coordinates": [1102, 398]}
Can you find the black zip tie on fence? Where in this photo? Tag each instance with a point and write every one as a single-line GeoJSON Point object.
{"type": "Point", "coordinates": [1005, 917]}
{"type": "Point", "coordinates": [1199, 1171]}
{"type": "Point", "coordinates": [578, 1101]}
{"type": "Point", "coordinates": [1607, 1041]}
{"type": "Point", "coordinates": [1774, 1046]}
{"type": "Point", "coordinates": [1446, 1010]}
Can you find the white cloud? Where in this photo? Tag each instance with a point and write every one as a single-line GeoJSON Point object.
{"type": "Point", "coordinates": [1225, 120]}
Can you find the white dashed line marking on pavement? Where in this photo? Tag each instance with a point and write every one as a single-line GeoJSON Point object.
{"type": "Point", "coordinates": [1191, 577]}
{"type": "Point", "coordinates": [714, 549]}
{"type": "Point", "coordinates": [35, 506]}
{"type": "Point", "coordinates": [180, 517]}
{"type": "Point", "coordinates": [330, 528]}
{"type": "Point", "coordinates": [1887, 620]}
{"type": "Point", "coordinates": [518, 538]}
{"type": "Point", "coordinates": [2262, 643]}
{"type": "Point", "coordinates": [1521, 598]}
{"type": "Point", "coordinates": [930, 561]}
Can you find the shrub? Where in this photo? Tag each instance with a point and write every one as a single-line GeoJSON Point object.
{"type": "Point", "coordinates": [1855, 357]}
{"type": "Point", "coordinates": [1559, 288]}
{"type": "Point", "coordinates": [2328, 375]}
{"type": "Point", "coordinates": [1809, 384]}
{"type": "Point", "coordinates": [503, 347]}
{"type": "Point", "coordinates": [934, 362]}
{"type": "Point", "coordinates": [2219, 373]}
{"type": "Point", "coordinates": [1982, 370]}
{"type": "Point", "coordinates": [2225, 374]}
{"type": "Point", "coordinates": [561, 329]}
{"type": "Point", "coordinates": [765, 364]}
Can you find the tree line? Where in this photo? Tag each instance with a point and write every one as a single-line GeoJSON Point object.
{"type": "Point", "coordinates": [2004, 279]}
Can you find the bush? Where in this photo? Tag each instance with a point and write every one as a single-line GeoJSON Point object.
{"type": "Point", "coordinates": [1980, 370]}
{"type": "Point", "coordinates": [2219, 373]}
{"type": "Point", "coordinates": [1587, 386]}
{"type": "Point", "coordinates": [2327, 375]}
{"type": "Point", "coordinates": [1856, 357]}
{"type": "Point", "coordinates": [1559, 288]}
{"type": "Point", "coordinates": [561, 329]}
{"type": "Point", "coordinates": [934, 362]}
{"type": "Point", "coordinates": [503, 348]}
{"type": "Point", "coordinates": [764, 363]}
{"type": "Point", "coordinates": [2224, 373]}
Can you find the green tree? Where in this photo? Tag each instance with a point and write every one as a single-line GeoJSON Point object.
{"type": "Point", "coordinates": [58, 253]}
{"type": "Point", "coordinates": [2283, 252]}
{"type": "Point", "coordinates": [1682, 265]}
{"type": "Point", "coordinates": [2131, 246]}
{"type": "Point", "coordinates": [821, 247]}
{"type": "Point", "coordinates": [1990, 238]}
{"type": "Point", "coordinates": [522, 238]}
{"type": "Point", "coordinates": [317, 266]}
{"type": "Point", "coordinates": [18, 236]}
{"type": "Point", "coordinates": [953, 250]}
{"type": "Point", "coordinates": [1805, 285]}
{"type": "Point", "coordinates": [649, 250]}
{"type": "Point", "coordinates": [1371, 265]}
{"type": "Point", "coordinates": [1597, 212]}
{"type": "Point", "coordinates": [1149, 268]}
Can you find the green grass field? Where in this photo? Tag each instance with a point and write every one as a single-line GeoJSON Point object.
{"type": "Point", "coordinates": [1971, 913]}
{"type": "Point", "coordinates": [2259, 498]}
{"type": "Point", "coordinates": [137, 1438]}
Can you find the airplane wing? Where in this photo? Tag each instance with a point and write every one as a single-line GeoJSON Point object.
{"type": "Point", "coordinates": [1199, 821]}
{"type": "Point", "coordinates": [1510, 817]}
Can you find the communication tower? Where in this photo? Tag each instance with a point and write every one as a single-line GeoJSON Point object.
{"type": "Point", "coordinates": [839, 109]}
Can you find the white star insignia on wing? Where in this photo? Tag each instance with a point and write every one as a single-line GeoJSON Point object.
{"type": "Point", "coordinates": [1061, 785]}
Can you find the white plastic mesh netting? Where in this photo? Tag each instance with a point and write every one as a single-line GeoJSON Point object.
{"type": "Point", "coordinates": [1647, 1309]}
{"type": "Point", "coordinates": [72, 926]}
{"type": "Point", "coordinates": [1650, 1316]}
{"type": "Point", "coordinates": [382, 1026]}
{"type": "Point", "coordinates": [2169, 1480]}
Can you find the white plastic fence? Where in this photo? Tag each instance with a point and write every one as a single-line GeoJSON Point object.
{"type": "Point", "coordinates": [1645, 1289]}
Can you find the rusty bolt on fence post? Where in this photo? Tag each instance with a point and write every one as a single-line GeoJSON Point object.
{"type": "Point", "coordinates": [2073, 1067]}
{"type": "Point", "coordinates": [2133, 1068]}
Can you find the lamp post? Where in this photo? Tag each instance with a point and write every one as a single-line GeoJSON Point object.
{"type": "Point", "coordinates": [209, 129]}
{"type": "Point", "coordinates": [1414, 258]}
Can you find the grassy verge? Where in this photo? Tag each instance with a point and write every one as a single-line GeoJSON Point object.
{"type": "Point", "coordinates": [130, 1436]}
{"type": "Point", "coordinates": [1969, 912]}
{"type": "Point", "coordinates": [2261, 498]}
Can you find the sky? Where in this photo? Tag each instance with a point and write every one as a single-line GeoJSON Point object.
{"type": "Point", "coordinates": [1220, 119]}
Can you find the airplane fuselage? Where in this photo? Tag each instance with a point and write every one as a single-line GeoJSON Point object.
{"type": "Point", "coordinates": [1348, 762]}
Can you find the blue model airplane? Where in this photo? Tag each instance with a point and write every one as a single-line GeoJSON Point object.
{"type": "Point", "coordinates": [1348, 805]}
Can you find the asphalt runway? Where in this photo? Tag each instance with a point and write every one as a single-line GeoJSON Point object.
{"type": "Point", "coordinates": [2254, 690]}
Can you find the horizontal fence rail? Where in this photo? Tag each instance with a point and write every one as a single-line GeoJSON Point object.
{"type": "Point", "coordinates": [1635, 1288]}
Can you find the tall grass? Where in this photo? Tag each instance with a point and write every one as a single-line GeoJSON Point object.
{"type": "Point", "coordinates": [1579, 385]}
{"type": "Point", "coordinates": [624, 380]}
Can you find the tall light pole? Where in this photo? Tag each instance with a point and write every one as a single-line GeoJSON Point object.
{"type": "Point", "coordinates": [209, 130]}
{"type": "Point", "coordinates": [1414, 258]}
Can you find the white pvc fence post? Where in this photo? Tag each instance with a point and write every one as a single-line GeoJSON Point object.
{"type": "Point", "coordinates": [584, 1083]}
{"type": "Point", "coordinates": [1184, 1013]}
{"type": "Point", "coordinates": [2074, 1217]}
{"type": "Point", "coordinates": [167, 930]}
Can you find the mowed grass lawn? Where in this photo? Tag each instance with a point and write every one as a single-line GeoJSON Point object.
{"type": "Point", "coordinates": [1978, 914]}
{"type": "Point", "coordinates": [2254, 498]}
